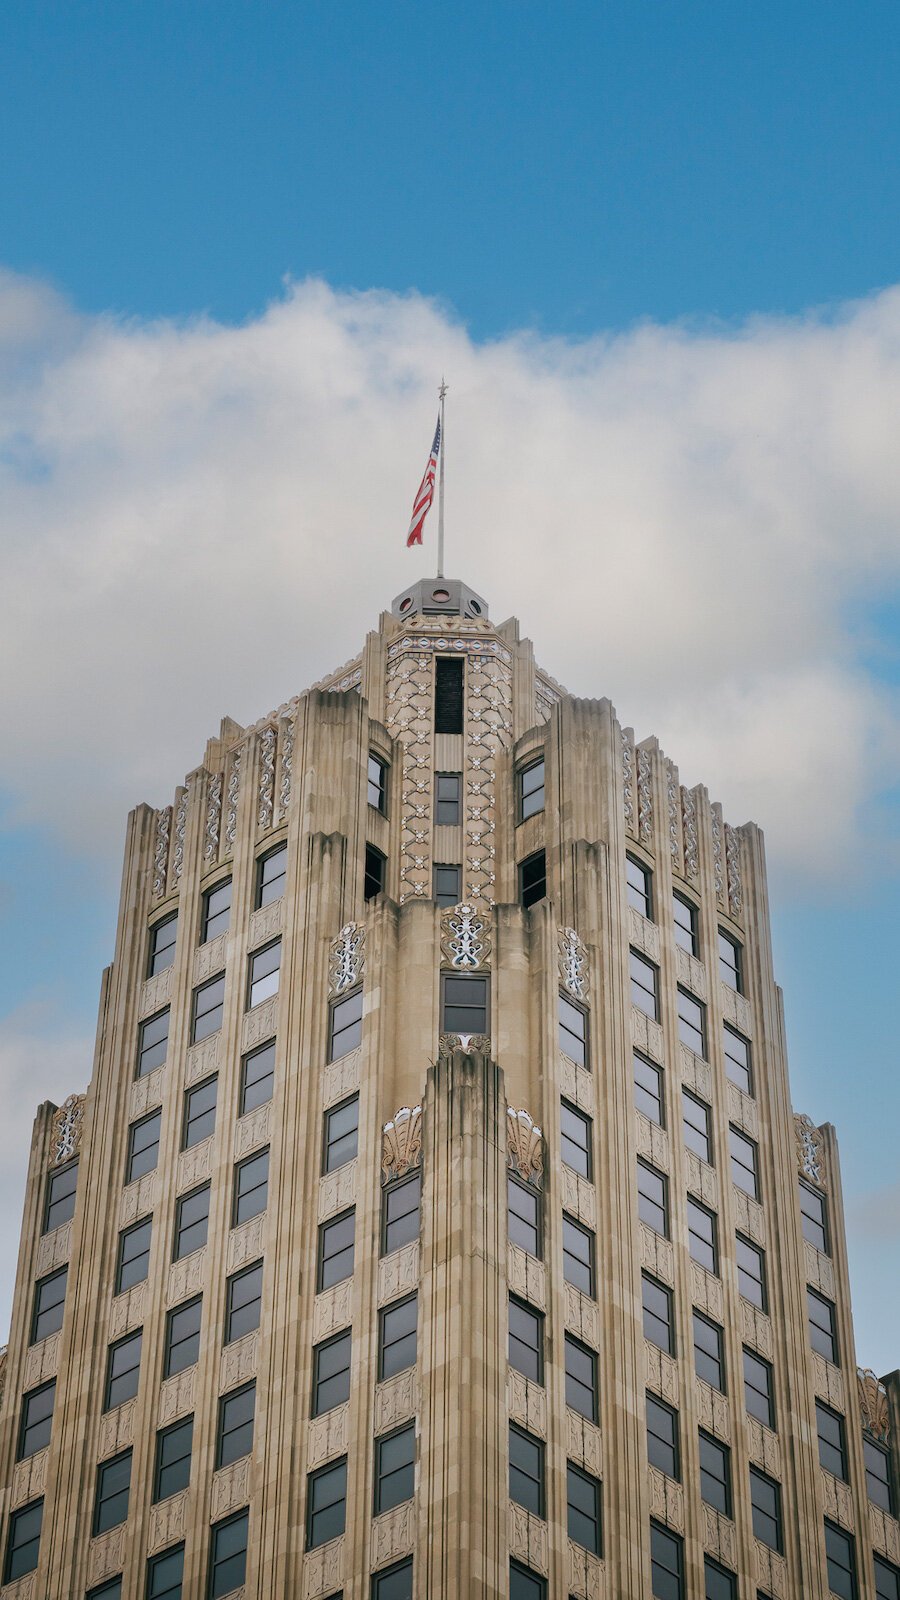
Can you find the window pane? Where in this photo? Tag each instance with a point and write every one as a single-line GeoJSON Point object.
{"type": "Point", "coordinates": [401, 1213]}
{"type": "Point", "coordinates": [341, 1134]}
{"type": "Point", "coordinates": [583, 1508]}
{"type": "Point", "coordinates": [122, 1371]}
{"type": "Point", "coordinates": [765, 1498]}
{"type": "Point", "coordinates": [662, 1437]}
{"type": "Point", "coordinates": [235, 1434]}
{"type": "Point", "coordinates": [648, 1089]}
{"type": "Point", "coordinates": [164, 1575]}
{"type": "Point", "coordinates": [143, 1146]}
{"type": "Point", "coordinates": [696, 1126]}
{"type": "Point", "coordinates": [243, 1299]}
{"type": "Point", "coordinates": [691, 1022]}
{"type": "Point", "coordinates": [60, 1203]}
{"type": "Point", "coordinates": [533, 878]}
{"type": "Point", "coordinates": [573, 1033]}
{"type": "Point", "coordinates": [251, 1188]}
{"type": "Point", "coordinates": [448, 799]}
{"type": "Point", "coordinates": [759, 1393]}
{"type": "Point", "coordinates": [173, 1459]}
{"type": "Point", "coordinates": [832, 1442]}
{"type": "Point", "coordinates": [200, 1112]}
{"type": "Point", "coordinates": [702, 1236]}
{"type": "Point", "coordinates": [336, 1250]}
{"type": "Point", "coordinates": [257, 1077]}
{"type": "Point", "coordinates": [524, 1216]}
{"type": "Point", "coordinates": [377, 783]}
{"type": "Point", "coordinates": [228, 1555]}
{"type": "Point", "coordinates": [840, 1558]}
{"type": "Point", "coordinates": [638, 886]}
{"type": "Point", "coordinates": [822, 1326]}
{"type": "Point", "coordinates": [709, 1357]}
{"type": "Point", "coordinates": [264, 974]}
{"type": "Point", "coordinates": [751, 1272]}
{"type": "Point", "coordinates": [23, 1541]}
{"type": "Point", "coordinates": [652, 1198]}
{"type": "Point", "coordinates": [879, 1481]}
{"type": "Point", "coordinates": [447, 885]}
{"type": "Point", "coordinates": [397, 1337]}
{"type": "Point", "coordinates": [153, 1043]}
{"type": "Point", "coordinates": [526, 1341]}
{"type": "Point", "coordinates": [133, 1262]}
{"type": "Point", "coordinates": [581, 1378]}
{"type": "Point", "coordinates": [685, 915]}
{"type": "Point", "coordinates": [465, 1005]}
{"type": "Point", "coordinates": [644, 985]}
{"type": "Point", "coordinates": [659, 1325]}
{"type": "Point", "coordinates": [331, 1373]}
{"type": "Point", "coordinates": [392, 1583]}
{"type": "Point", "coordinates": [744, 1162]}
{"type": "Point", "coordinates": [191, 1222]}
{"type": "Point", "coordinates": [718, 1583]}
{"type": "Point", "coordinates": [887, 1580]}
{"type": "Point", "coordinates": [737, 1059]}
{"type": "Point", "coordinates": [346, 1025]}
{"type": "Point", "coordinates": [575, 1139]}
{"type": "Point", "coordinates": [49, 1305]}
{"type": "Point", "coordinates": [183, 1336]}
{"type": "Point", "coordinates": [715, 1474]}
{"type": "Point", "coordinates": [207, 1008]}
{"type": "Point", "coordinates": [216, 916]}
{"type": "Point", "coordinates": [730, 962]}
{"type": "Point", "coordinates": [112, 1492]}
{"type": "Point", "coordinates": [270, 876]}
{"type": "Point", "coordinates": [448, 696]}
{"type": "Point", "coordinates": [373, 875]}
{"type": "Point", "coordinates": [531, 789]}
{"type": "Point", "coordinates": [814, 1217]}
{"type": "Point", "coordinates": [395, 1457]}
{"type": "Point", "coordinates": [36, 1421]}
{"type": "Point", "coordinates": [666, 1565]}
{"type": "Point", "coordinates": [326, 1504]}
{"type": "Point", "coordinates": [578, 1256]}
{"type": "Point", "coordinates": [162, 945]}
{"type": "Point", "coordinates": [526, 1470]}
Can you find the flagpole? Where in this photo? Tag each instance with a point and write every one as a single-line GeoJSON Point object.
{"type": "Point", "coordinates": [440, 561]}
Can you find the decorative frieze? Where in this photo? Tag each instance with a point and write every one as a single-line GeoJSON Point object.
{"type": "Point", "coordinates": [347, 961]}
{"type": "Point", "coordinates": [573, 964]}
{"type": "Point", "coordinates": [718, 867]}
{"type": "Point", "coordinates": [266, 793]}
{"type": "Point", "coordinates": [213, 818]}
{"type": "Point", "coordinates": [810, 1150]}
{"type": "Point", "coordinates": [524, 1146]}
{"type": "Point", "coordinates": [672, 815]}
{"type": "Point", "coordinates": [401, 1143]}
{"type": "Point", "coordinates": [161, 851]}
{"type": "Point", "coordinates": [465, 938]}
{"type": "Point", "coordinates": [68, 1123]}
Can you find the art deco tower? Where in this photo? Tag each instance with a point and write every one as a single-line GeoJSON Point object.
{"type": "Point", "coordinates": [436, 1222]}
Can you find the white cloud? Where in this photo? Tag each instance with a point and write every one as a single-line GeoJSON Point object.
{"type": "Point", "coordinates": [199, 520]}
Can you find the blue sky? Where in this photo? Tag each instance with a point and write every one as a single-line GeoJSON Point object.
{"type": "Point", "coordinates": [656, 249]}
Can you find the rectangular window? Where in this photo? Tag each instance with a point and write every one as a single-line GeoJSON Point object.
{"type": "Point", "coordinates": [341, 1134]}
{"type": "Point", "coordinates": [59, 1205]}
{"type": "Point", "coordinates": [575, 1139]}
{"type": "Point", "coordinates": [662, 1437]}
{"type": "Point", "coordinates": [526, 1470]}
{"type": "Point", "coordinates": [207, 1007]}
{"type": "Point", "coordinates": [653, 1198]}
{"type": "Point", "coordinates": [659, 1317]}
{"type": "Point", "coordinates": [765, 1499]}
{"type": "Point", "coordinates": [524, 1215]}
{"type": "Point", "coordinates": [153, 1043]}
{"type": "Point", "coordinates": [377, 784]}
{"type": "Point", "coordinates": [143, 1146]}
{"type": "Point", "coordinates": [581, 1379]}
{"type": "Point", "coordinates": [649, 1093]}
{"type": "Point", "coordinates": [526, 1340]}
{"type": "Point", "coordinates": [879, 1478]}
{"type": "Point", "coordinates": [822, 1326]}
{"type": "Point", "coordinates": [106, 1591]}
{"type": "Point", "coordinates": [133, 1260]}
{"type": "Point", "coordinates": [709, 1352]}
{"type": "Point", "coordinates": [162, 945]}
{"type": "Point", "coordinates": [172, 1469]}
{"type": "Point", "coordinates": [49, 1305]}
{"type": "Point", "coordinates": [533, 878]}
{"type": "Point", "coordinates": [718, 1582]}
{"type": "Point", "coordinates": [666, 1564]}
{"type": "Point", "coordinates": [395, 1468]}
{"type": "Point", "coordinates": [583, 1508]}
{"type": "Point", "coordinates": [400, 1213]}
{"type": "Point", "coordinates": [111, 1493]}
{"type": "Point", "coordinates": [257, 1077]}
{"type": "Point", "coordinates": [737, 1060]}
{"type": "Point", "coordinates": [182, 1346]}
{"type": "Point", "coordinates": [695, 1121]}
{"type": "Point", "coordinates": [703, 1235]}
{"type": "Point", "coordinates": [270, 876]}
{"type": "Point", "coordinates": [573, 1032]}
{"type": "Point", "coordinates": [397, 1336]}
{"type": "Point", "coordinates": [751, 1271]}
{"type": "Point", "coordinates": [744, 1162]}
{"type": "Point", "coordinates": [691, 1022]}
{"type": "Point", "coordinates": [639, 886]}
{"type": "Point", "coordinates": [578, 1256]}
{"type": "Point", "coordinates": [263, 974]}
{"type": "Point", "coordinates": [887, 1580]}
{"type": "Point", "coordinates": [759, 1389]}
{"type": "Point", "coordinates": [345, 1030]}
{"type": "Point", "coordinates": [199, 1113]}
{"type": "Point", "coordinates": [447, 884]}
{"type": "Point", "coordinates": [165, 1573]}
{"type": "Point", "coordinates": [215, 917]}
{"type": "Point", "coordinates": [832, 1441]}
{"type": "Point", "coordinates": [464, 1007]}
{"type": "Point", "coordinates": [123, 1370]}
{"type": "Point", "coordinates": [392, 1583]}
{"type": "Point", "coordinates": [644, 985]}
{"type": "Point", "coordinates": [373, 874]}
{"type": "Point", "coordinates": [243, 1301]}
{"type": "Point", "coordinates": [23, 1541]}
{"type": "Point", "coordinates": [191, 1222]}
{"type": "Point", "coordinates": [326, 1504]}
{"type": "Point", "coordinates": [840, 1559]}
{"type": "Point", "coordinates": [448, 799]}
{"type": "Point", "coordinates": [715, 1473]}
{"type": "Point", "coordinates": [336, 1250]}
{"type": "Point", "coordinates": [531, 789]}
{"type": "Point", "coordinates": [331, 1373]}
{"type": "Point", "coordinates": [228, 1554]}
{"type": "Point", "coordinates": [685, 916]}
{"type": "Point", "coordinates": [814, 1217]}
{"type": "Point", "coordinates": [731, 962]}
{"type": "Point", "coordinates": [36, 1421]}
{"type": "Point", "coordinates": [234, 1435]}
{"type": "Point", "coordinates": [251, 1188]}
{"type": "Point", "coordinates": [448, 695]}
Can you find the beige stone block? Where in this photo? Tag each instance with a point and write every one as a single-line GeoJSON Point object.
{"type": "Point", "coordinates": [116, 1430]}
{"type": "Point", "coordinates": [245, 1242]}
{"type": "Point", "coordinates": [155, 993]}
{"type": "Point", "coordinates": [749, 1217]}
{"type": "Point", "coordinates": [209, 959]}
{"type": "Point", "coordinates": [259, 1024]}
{"type": "Point", "coordinates": [527, 1403]}
{"type": "Point", "coordinates": [239, 1361]}
{"type": "Point", "coordinates": [147, 1093]}
{"type": "Point", "coordinates": [690, 972]}
{"type": "Point", "coordinates": [582, 1316]}
{"type": "Point", "coordinates": [127, 1311]}
{"type": "Point", "coordinates": [186, 1277]}
{"type": "Point", "coordinates": [712, 1408]}
{"type": "Point", "coordinates": [576, 1084]}
{"type": "Point", "coordinates": [578, 1196]}
{"type": "Point", "coordinates": [106, 1554]}
{"type": "Point", "coordinates": [771, 1571]}
{"type": "Point", "coordinates": [396, 1400]}
{"type": "Point", "coordinates": [885, 1533]}
{"type": "Point", "coordinates": [393, 1534]}
{"type": "Point", "coordinates": [696, 1073]}
{"type": "Point", "coordinates": [719, 1536]}
{"type": "Point", "coordinates": [323, 1569]}
{"type": "Point", "coordinates": [176, 1396]}
{"type": "Point", "coordinates": [328, 1436]}
{"type": "Point", "coordinates": [265, 923]}
{"type": "Point", "coordinates": [167, 1521]}
{"type": "Point", "coordinates": [666, 1499]}
{"type": "Point", "coordinates": [333, 1310]}
{"type": "Point", "coordinates": [764, 1447]}
{"type": "Point", "coordinates": [702, 1179]}
{"type": "Point", "coordinates": [756, 1329]}
{"type": "Point", "coordinates": [341, 1078]}
{"type": "Point", "coordinates": [736, 1009]}
{"type": "Point", "coordinates": [231, 1487]}
{"type": "Point", "coordinates": [527, 1538]}
{"type": "Point", "coordinates": [252, 1130]}
{"type": "Point", "coordinates": [657, 1254]}
{"type": "Point", "coordinates": [742, 1110]}
{"type": "Point", "coordinates": [643, 935]}
{"type": "Point", "coordinates": [337, 1190]}
{"type": "Point", "coordinates": [202, 1059]}
{"type": "Point", "coordinates": [42, 1361]}
{"type": "Point", "coordinates": [54, 1249]}
{"type": "Point", "coordinates": [819, 1270]}
{"type": "Point", "coordinates": [828, 1382]}
{"type": "Point", "coordinates": [646, 1035]}
{"type": "Point", "coordinates": [398, 1273]}
{"type": "Point", "coordinates": [583, 1442]}
{"type": "Point", "coordinates": [586, 1576]}
{"type": "Point", "coordinates": [29, 1478]}
{"type": "Point", "coordinates": [138, 1198]}
{"type": "Point", "coordinates": [652, 1142]}
{"type": "Point", "coordinates": [194, 1165]}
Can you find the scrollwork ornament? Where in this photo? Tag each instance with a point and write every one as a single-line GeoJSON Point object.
{"type": "Point", "coordinates": [573, 963]}
{"type": "Point", "coordinates": [689, 829]}
{"type": "Point", "coordinates": [287, 759]}
{"type": "Point", "coordinates": [733, 867]}
{"type": "Point", "coordinates": [267, 742]}
{"type": "Point", "coordinates": [180, 826]}
{"type": "Point", "coordinates": [401, 1143]}
{"type": "Point", "coordinates": [4, 1365]}
{"type": "Point", "coordinates": [628, 779]}
{"type": "Point", "coordinates": [231, 798]}
{"type": "Point", "coordinates": [873, 1404]}
{"type": "Point", "coordinates": [347, 958]}
{"type": "Point", "coordinates": [524, 1146]}
{"type": "Point", "coordinates": [161, 852]}
{"type": "Point", "coordinates": [465, 939]}
{"type": "Point", "coordinates": [470, 1043]}
{"type": "Point", "coordinates": [718, 875]}
{"type": "Point", "coordinates": [67, 1126]}
{"type": "Point", "coordinates": [645, 797]}
{"type": "Point", "coordinates": [672, 807]}
{"type": "Point", "coordinates": [213, 816]}
{"type": "Point", "coordinates": [810, 1150]}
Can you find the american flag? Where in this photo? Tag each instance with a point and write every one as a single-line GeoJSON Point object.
{"type": "Point", "coordinates": [425, 491]}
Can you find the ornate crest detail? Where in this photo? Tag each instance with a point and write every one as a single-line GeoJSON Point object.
{"type": "Point", "coordinates": [213, 816]}
{"type": "Point", "coordinates": [231, 798]}
{"type": "Point", "coordinates": [347, 958]}
{"type": "Point", "coordinates": [180, 825]}
{"type": "Point", "coordinates": [67, 1124]}
{"type": "Point", "coordinates": [469, 1042]}
{"type": "Point", "coordinates": [873, 1404]}
{"type": "Point", "coordinates": [718, 876]}
{"type": "Point", "coordinates": [161, 852]}
{"type": "Point", "coordinates": [689, 827]}
{"type": "Point", "coordinates": [733, 865]}
{"type": "Point", "coordinates": [573, 973]}
{"type": "Point", "coordinates": [672, 806]}
{"type": "Point", "coordinates": [645, 797]}
{"type": "Point", "coordinates": [465, 938]}
{"type": "Point", "coordinates": [287, 758]}
{"type": "Point", "coordinates": [401, 1143]}
{"type": "Point", "coordinates": [524, 1146]}
{"type": "Point", "coordinates": [810, 1151]}
{"type": "Point", "coordinates": [267, 743]}
{"type": "Point", "coordinates": [628, 778]}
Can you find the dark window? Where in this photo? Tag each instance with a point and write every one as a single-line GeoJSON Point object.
{"type": "Point", "coordinates": [377, 783]}
{"type": "Point", "coordinates": [531, 789]}
{"type": "Point", "coordinates": [695, 1121]}
{"type": "Point", "coordinates": [400, 1213]}
{"type": "Point", "coordinates": [751, 1271]}
{"type": "Point", "coordinates": [448, 696]}
{"type": "Point", "coordinates": [106, 1591]}
{"type": "Point", "coordinates": [164, 1574]}
{"type": "Point", "coordinates": [326, 1503]}
{"type": "Point", "coordinates": [718, 1582]}
{"type": "Point", "coordinates": [234, 1437]}
{"type": "Point", "coordinates": [111, 1495]}
{"type": "Point", "coordinates": [583, 1508]}
{"type": "Point", "coordinates": [691, 1022]}
{"type": "Point", "coordinates": [24, 1540]}
{"type": "Point", "coordinates": [228, 1554]}
{"type": "Point", "coordinates": [840, 1559]}
{"type": "Point", "coordinates": [123, 1370]}
{"type": "Point", "coordinates": [526, 1470]}
{"type": "Point", "coordinates": [575, 1139]}
{"type": "Point", "coordinates": [731, 962]}
{"type": "Point", "coordinates": [59, 1206]}
{"type": "Point", "coordinates": [526, 1340]}
{"type": "Point", "coordinates": [703, 1242]}
{"type": "Point", "coordinates": [341, 1134]}
{"type": "Point", "coordinates": [251, 1188]}
{"type": "Point", "coordinates": [143, 1146]}
{"type": "Point", "coordinates": [263, 974]}
{"type": "Point", "coordinates": [392, 1583]}
{"type": "Point", "coordinates": [887, 1580]}
{"type": "Point", "coordinates": [331, 1373]}
{"type": "Point", "coordinates": [685, 915]}
{"type": "Point", "coordinates": [465, 1004]}
{"type": "Point", "coordinates": [133, 1262]}
{"type": "Point", "coordinates": [373, 877]}
{"type": "Point", "coordinates": [814, 1217]}
{"type": "Point", "coordinates": [573, 1032]}
{"type": "Point", "coordinates": [765, 1499]}
{"type": "Point", "coordinates": [759, 1389]}
{"type": "Point", "coordinates": [822, 1326]}
{"type": "Point", "coordinates": [36, 1421]}
{"type": "Point", "coordinates": [243, 1299]}
{"type": "Point", "coordinates": [172, 1470]}
{"type": "Point", "coordinates": [395, 1468]}
{"type": "Point", "coordinates": [162, 945]}
{"type": "Point", "coordinates": [715, 1473]}
{"type": "Point", "coordinates": [644, 985]}
{"type": "Point", "coordinates": [709, 1351]}
{"type": "Point", "coordinates": [191, 1222]}
{"type": "Point", "coordinates": [153, 1043]}
{"type": "Point", "coordinates": [182, 1348]}
{"type": "Point", "coordinates": [447, 884]}
{"type": "Point", "coordinates": [666, 1564]}
{"type": "Point", "coordinates": [216, 914]}
{"type": "Point", "coordinates": [744, 1162]}
{"type": "Point", "coordinates": [653, 1199]}
{"type": "Point", "coordinates": [207, 1006]}
{"type": "Point", "coordinates": [448, 799]}
{"type": "Point", "coordinates": [639, 886]}
{"type": "Point", "coordinates": [524, 1215]}
{"type": "Point", "coordinates": [199, 1113]}
{"type": "Point", "coordinates": [879, 1478]}
{"type": "Point", "coordinates": [270, 875]}
{"type": "Point", "coordinates": [397, 1336]}
{"type": "Point", "coordinates": [659, 1321]}
{"type": "Point", "coordinates": [336, 1250]}
{"type": "Point", "coordinates": [49, 1305]}
{"type": "Point", "coordinates": [832, 1441]}
{"type": "Point", "coordinates": [649, 1095]}
{"type": "Point", "coordinates": [662, 1437]}
{"type": "Point", "coordinates": [578, 1255]}
{"type": "Point", "coordinates": [533, 878]}
{"type": "Point", "coordinates": [581, 1378]}
{"type": "Point", "coordinates": [257, 1078]}
{"type": "Point", "coordinates": [345, 1025]}
{"type": "Point", "coordinates": [738, 1066]}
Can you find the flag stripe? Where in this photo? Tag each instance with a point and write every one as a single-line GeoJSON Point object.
{"type": "Point", "coordinates": [425, 491]}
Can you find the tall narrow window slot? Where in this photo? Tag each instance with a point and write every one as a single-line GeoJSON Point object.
{"type": "Point", "coordinates": [448, 695]}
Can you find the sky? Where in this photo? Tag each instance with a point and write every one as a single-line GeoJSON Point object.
{"type": "Point", "coordinates": [655, 250]}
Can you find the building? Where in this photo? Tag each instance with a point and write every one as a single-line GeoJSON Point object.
{"type": "Point", "coordinates": [436, 1221]}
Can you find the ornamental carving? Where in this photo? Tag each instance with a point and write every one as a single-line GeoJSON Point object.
{"type": "Point", "coordinates": [161, 851]}
{"type": "Point", "coordinates": [213, 816]}
{"type": "Point", "coordinates": [524, 1146]}
{"type": "Point", "coordinates": [672, 811]}
{"type": "Point", "coordinates": [645, 797]}
{"type": "Point", "coordinates": [469, 1042]}
{"type": "Point", "coordinates": [689, 832]}
{"type": "Point", "coordinates": [287, 761]}
{"type": "Point", "coordinates": [401, 1143]}
{"type": "Point", "coordinates": [347, 961]}
{"type": "Point", "coordinates": [4, 1363]}
{"type": "Point", "coordinates": [408, 698]}
{"type": "Point", "coordinates": [267, 742]}
{"type": "Point", "coordinates": [67, 1125]}
{"type": "Point", "coordinates": [718, 874]}
{"type": "Point", "coordinates": [810, 1150]}
{"type": "Point", "coordinates": [873, 1404]}
{"type": "Point", "coordinates": [628, 779]}
{"type": "Point", "coordinates": [231, 799]}
{"type": "Point", "coordinates": [573, 963]}
{"type": "Point", "coordinates": [733, 871]}
{"type": "Point", "coordinates": [180, 825]}
{"type": "Point", "coordinates": [465, 938]}
{"type": "Point", "coordinates": [488, 728]}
